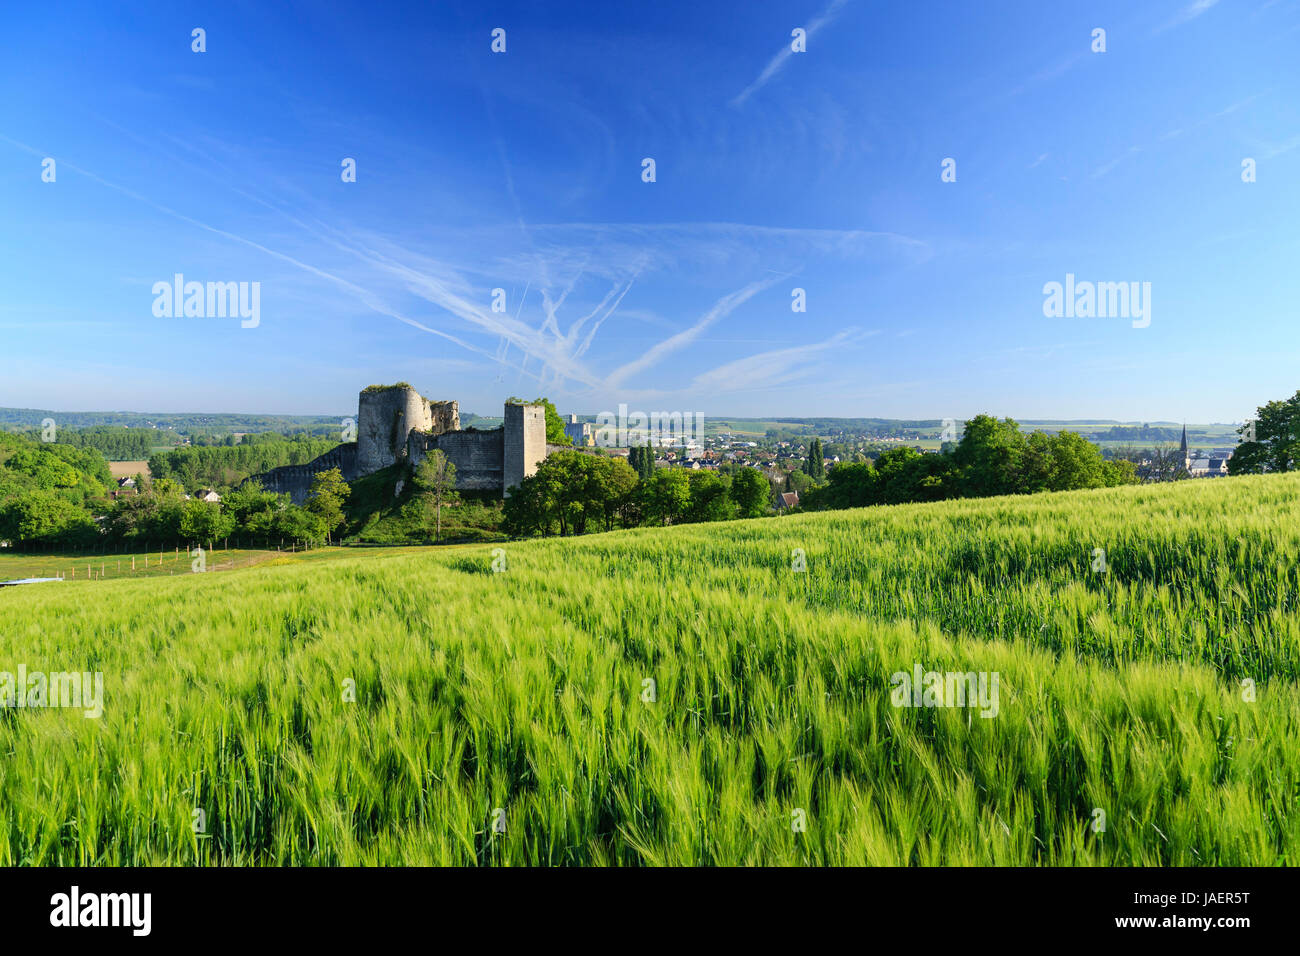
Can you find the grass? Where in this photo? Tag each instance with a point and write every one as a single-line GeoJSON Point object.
{"type": "Point", "coordinates": [526, 692]}
{"type": "Point", "coordinates": [82, 568]}
{"type": "Point", "coordinates": [378, 516]}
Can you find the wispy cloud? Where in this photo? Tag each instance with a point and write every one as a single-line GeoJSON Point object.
{"type": "Point", "coordinates": [581, 274]}
{"type": "Point", "coordinates": [783, 55]}
{"type": "Point", "coordinates": [1189, 12]}
{"type": "Point", "coordinates": [1274, 150]}
{"type": "Point", "coordinates": [766, 369]}
{"type": "Point", "coordinates": [675, 343]}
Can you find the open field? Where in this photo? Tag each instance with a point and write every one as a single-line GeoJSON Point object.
{"type": "Point", "coordinates": [507, 717]}
{"type": "Point", "coordinates": [128, 469]}
{"type": "Point", "coordinates": [140, 564]}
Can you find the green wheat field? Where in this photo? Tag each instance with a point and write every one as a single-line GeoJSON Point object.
{"type": "Point", "coordinates": [507, 717]}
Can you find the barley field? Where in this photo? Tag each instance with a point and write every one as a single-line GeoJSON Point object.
{"type": "Point", "coordinates": [689, 696]}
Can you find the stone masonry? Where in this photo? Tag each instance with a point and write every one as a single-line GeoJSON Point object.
{"type": "Point", "coordinates": [396, 424]}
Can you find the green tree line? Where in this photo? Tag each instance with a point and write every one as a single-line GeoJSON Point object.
{"type": "Point", "coordinates": [224, 467]}
{"type": "Point", "coordinates": [573, 492]}
{"type": "Point", "coordinates": [117, 444]}
{"type": "Point", "coordinates": [993, 458]}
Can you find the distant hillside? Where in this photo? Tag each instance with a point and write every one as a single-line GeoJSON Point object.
{"type": "Point", "coordinates": [210, 424]}
{"type": "Point", "coordinates": [179, 421]}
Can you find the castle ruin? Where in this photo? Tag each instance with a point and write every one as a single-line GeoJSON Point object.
{"type": "Point", "coordinates": [396, 424]}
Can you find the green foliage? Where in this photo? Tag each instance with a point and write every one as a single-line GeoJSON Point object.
{"type": "Point", "coordinates": [78, 474]}
{"type": "Point", "coordinates": [225, 467]}
{"type": "Point", "coordinates": [1276, 445]}
{"type": "Point", "coordinates": [255, 512]}
{"type": "Point", "coordinates": [437, 476]}
{"type": "Point", "coordinates": [642, 460]}
{"type": "Point", "coordinates": [326, 498]}
{"type": "Point", "coordinates": [43, 516]}
{"type": "Point", "coordinates": [993, 458]}
{"type": "Point", "coordinates": [114, 443]}
{"type": "Point", "coordinates": [570, 491]}
{"type": "Point", "coordinates": [203, 522]}
{"type": "Point", "coordinates": [815, 464]}
{"type": "Point", "coordinates": [709, 498]}
{"type": "Point", "coordinates": [666, 496]}
{"type": "Point", "coordinates": [750, 492]}
{"type": "Point", "coordinates": [376, 515]}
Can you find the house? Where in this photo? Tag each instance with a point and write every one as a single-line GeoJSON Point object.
{"type": "Point", "coordinates": [208, 495]}
{"type": "Point", "coordinates": [125, 486]}
{"type": "Point", "coordinates": [787, 500]}
{"type": "Point", "coordinates": [1207, 467]}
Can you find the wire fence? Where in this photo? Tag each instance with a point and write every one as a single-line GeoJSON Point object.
{"type": "Point", "coordinates": [106, 564]}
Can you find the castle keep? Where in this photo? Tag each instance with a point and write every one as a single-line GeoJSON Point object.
{"type": "Point", "coordinates": [396, 424]}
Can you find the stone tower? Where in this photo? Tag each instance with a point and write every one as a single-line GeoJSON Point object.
{"type": "Point", "coordinates": [525, 442]}
{"type": "Point", "coordinates": [386, 416]}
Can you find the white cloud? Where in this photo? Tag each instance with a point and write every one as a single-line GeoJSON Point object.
{"type": "Point", "coordinates": [1189, 12]}
{"type": "Point", "coordinates": [783, 55]}
{"type": "Point", "coordinates": [766, 369]}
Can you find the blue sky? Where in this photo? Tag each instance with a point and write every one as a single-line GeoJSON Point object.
{"type": "Point", "coordinates": [775, 170]}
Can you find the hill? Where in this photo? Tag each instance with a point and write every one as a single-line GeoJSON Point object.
{"type": "Point", "coordinates": [687, 695]}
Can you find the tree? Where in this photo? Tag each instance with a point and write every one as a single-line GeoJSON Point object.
{"type": "Point", "coordinates": [45, 516]}
{"type": "Point", "coordinates": [167, 488]}
{"type": "Point", "coordinates": [299, 524]}
{"type": "Point", "coordinates": [642, 460]}
{"type": "Point", "coordinates": [667, 495]}
{"type": "Point", "coordinates": [750, 492]}
{"type": "Point", "coordinates": [325, 499]}
{"type": "Point", "coordinates": [1076, 463]}
{"type": "Point", "coordinates": [569, 489]}
{"type": "Point", "coordinates": [203, 521]}
{"type": "Point", "coordinates": [254, 510]}
{"type": "Point", "coordinates": [1276, 439]}
{"type": "Point", "coordinates": [799, 481]}
{"type": "Point", "coordinates": [815, 466]}
{"type": "Point", "coordinates": [991, 457]}
{"type": "Point", "coordinates": [437, 475]}
{"type": "Point", "coordinates": [1167, 464]}
{"type": "Point", "coordinates": [708, 497]}
{"type": "Point", "coordinates": [528, 511]}
{"type": "Point", "coordinates": [617, 484]}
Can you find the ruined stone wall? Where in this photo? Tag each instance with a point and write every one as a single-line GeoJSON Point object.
{"type": "Point", "coordinates": [398, 424]}
{"type": "Point", "coordinates": [477, 455]}
{"type": "Point", "coordinates": [387, 416]}
{"type": "Point", "coordinates": [295, 480]}
{"type": "Point", "coordinates": [525, 442]}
